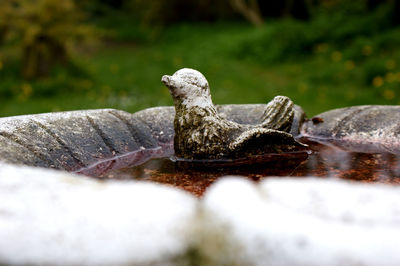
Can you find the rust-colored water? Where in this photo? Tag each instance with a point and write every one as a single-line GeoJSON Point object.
{"type": "Point", "coordinates": [324, 161]}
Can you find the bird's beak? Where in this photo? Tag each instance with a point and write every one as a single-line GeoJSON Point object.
{"type": "Point", "coordinates": [167, 80]}
{"type": "Point", "coordinates": [170, 83]}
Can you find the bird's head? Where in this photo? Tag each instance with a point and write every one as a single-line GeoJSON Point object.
{"type": "Point", "coordinates": [188, 87]}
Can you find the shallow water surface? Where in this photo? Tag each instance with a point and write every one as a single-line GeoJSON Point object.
{"type": "Point", "coordinates": [325, 161]}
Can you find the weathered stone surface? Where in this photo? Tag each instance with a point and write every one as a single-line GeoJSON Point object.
{"type": "Point", "coordinates": [369, 128]}
{"type": "Point", "coordinates": [79, 140]}
{"type": "Point", "coordinates": [160, 122]}
{"type": "Point", "coordinates": [72, 140]}
{"type": "Point", "coordinates": [253, 114]}
{"type": "Point", "coordinates": [290, 222]}
{"type": "Point", "coordinates": [202, 133]}
{"type": "Point", "coordinates": [51, 217]}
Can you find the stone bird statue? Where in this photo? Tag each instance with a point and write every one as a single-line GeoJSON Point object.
{"type": "Point", "coordinates": [201, 133]}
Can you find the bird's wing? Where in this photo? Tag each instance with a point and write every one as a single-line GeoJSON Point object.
{"type": "Point", "coordinates": [279, 114]}
{"type": "Point", "coordinates": [261, 141]}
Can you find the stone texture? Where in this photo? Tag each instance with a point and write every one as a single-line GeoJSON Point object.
{"type": "Point", "coordinates": [201, 133]}
{"type": "Point", "coordinates": [369, 128]}
{"type": "Point", "coordinates": [79, 140]}
{"type": "Point", "coordinates": [252, 114]}
{"type": "Point", "coordinates": [73, 140]}
{"type": "Point", "coordinates": [160, 121]}
{"type": "Point", "coordinates": [306, 222]}
{"type": "Point", "coordinates": [50, 217]}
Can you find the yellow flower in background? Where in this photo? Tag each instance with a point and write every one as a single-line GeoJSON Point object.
{"type": "Point", "coordinates": [106, 89]}
{"type": "Point", "coordinates": [322, 47]}
{"type": "Point", "coordinates": [349, 95]}
{"type": "Point", "coordinates": [1, 65]}
{"type": "Point", "coordinates": [349, 65]}
{"type": "Point", "coordinates": [26, 92]}
{"type": "Point", "coordinates": [388, 94]}
{"type": "Point", "coordinates": [390, 77]}
{"type": "Point", "coordinates": [302, 87]}
{"type": "Point", "coordinates": [178, 61]}
{"type": "Point", "coordinates": [390, 64]}
{"type": "Point", "coordinates": [336, 56]}
{"type": "Point", "coordinates": [26, 89]}
{"type": "Point", "coordinates": [367, 50]}
{"type": "Point", "coordinates": [378, 81]}
{"type": "Point", "coordinates": [114, 68]}
{"type": "Point", "coordinates": [85, 84]}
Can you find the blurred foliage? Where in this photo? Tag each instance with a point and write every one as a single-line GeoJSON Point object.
{"type": "Point", "coordinates": [340, 29]}
{"type": "Point", "coordinates": [347, 32]}
{"type": "Point", "coordinates": [166, 12]}
{"type": "Point", "coordinates": [45, 31]}
{"type": "Point", "coordinates": [322, 53]}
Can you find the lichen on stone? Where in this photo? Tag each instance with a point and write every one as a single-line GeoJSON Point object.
{"type": "Point", "coordinates": [201, 133]}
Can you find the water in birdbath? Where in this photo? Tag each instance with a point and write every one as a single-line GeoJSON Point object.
{"type": "Point", "coordinates": [322, 160]}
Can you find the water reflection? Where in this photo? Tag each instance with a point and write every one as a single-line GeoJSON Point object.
{"type": "Point", "coordinates": [331, 161]}
{"type": "Point", "coordinates": [324, 161]}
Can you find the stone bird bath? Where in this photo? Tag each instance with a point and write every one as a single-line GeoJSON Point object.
{"type": "Point", "coordinates": [51, 214]}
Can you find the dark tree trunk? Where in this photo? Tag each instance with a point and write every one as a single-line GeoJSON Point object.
{"type": "Point", "coordinates": [41, 56]}
{"type": "Point", "coordinates": [300, 10]}
{"type": "Point", "coordinates": [249, 10]}
{"type": "Point", "coordinates": [372, 4]}
{"type": "Point", "coordinates": [396, 12]}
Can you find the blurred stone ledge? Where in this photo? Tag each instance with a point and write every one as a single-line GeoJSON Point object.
{"type": "Point", "coordinates": [50, 217]}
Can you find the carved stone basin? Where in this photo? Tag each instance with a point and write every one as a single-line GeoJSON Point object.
{"type": "Point", "coordinates": [57, 217]}
{"type": "Point", "coordinates": [368, 128]}
{"type": "Point", "coordinates": [93, 141]}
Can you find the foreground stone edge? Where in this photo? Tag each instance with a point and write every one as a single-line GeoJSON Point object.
{"type": "Point", "coordinates": [56, 218]}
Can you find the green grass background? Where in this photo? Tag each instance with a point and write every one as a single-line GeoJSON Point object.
{"type": "Point", "coordinates": [243, 65]}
